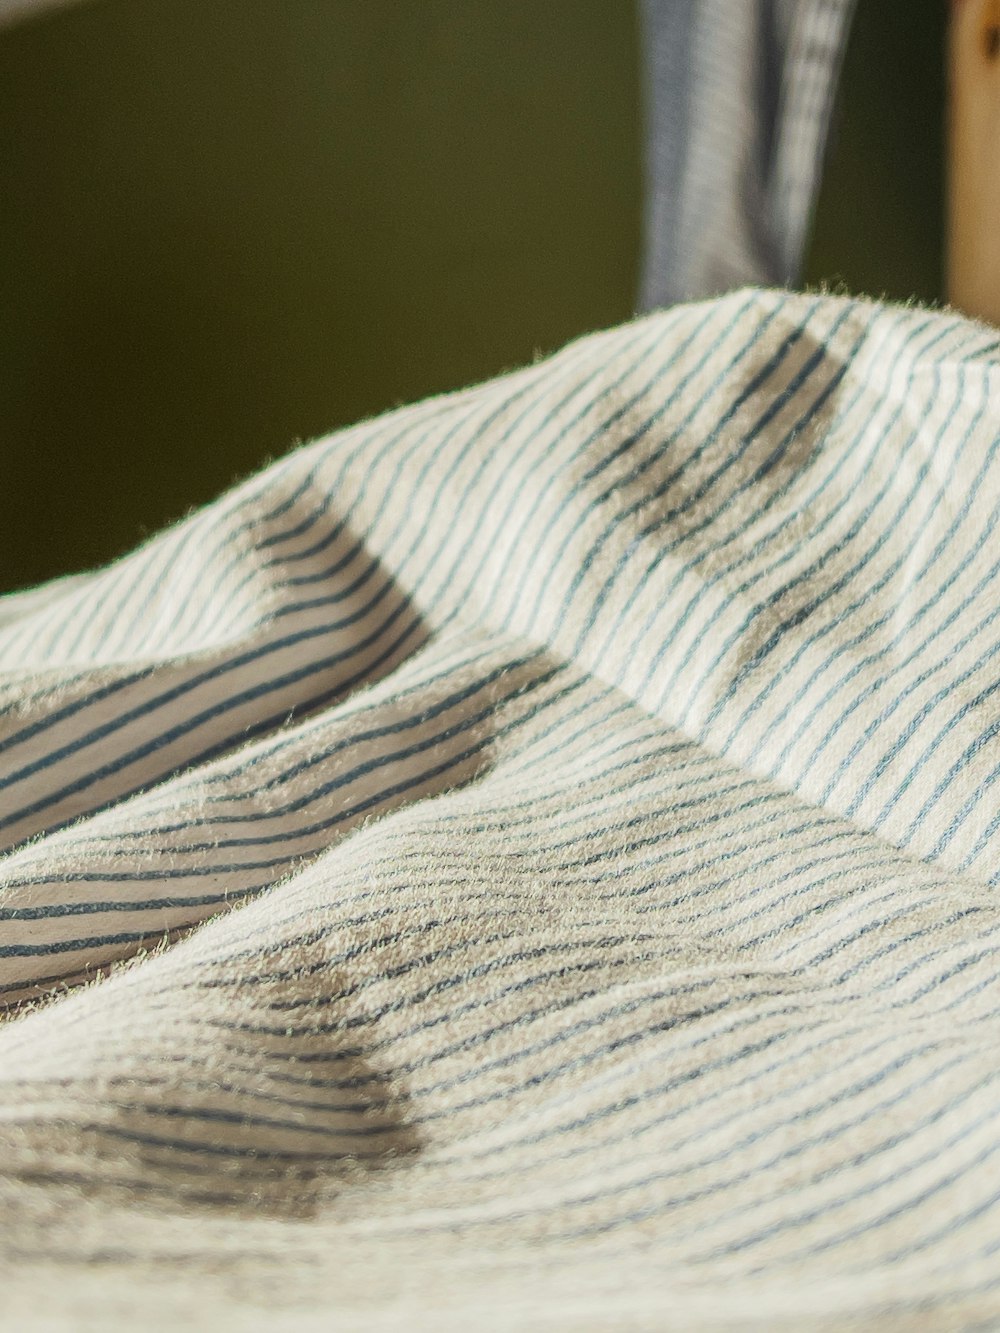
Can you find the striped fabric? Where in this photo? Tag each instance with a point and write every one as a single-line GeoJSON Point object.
{"type": "Point", "coordinates": [528, 861]}
{"type": "Point", "coordinates": [739, 95]}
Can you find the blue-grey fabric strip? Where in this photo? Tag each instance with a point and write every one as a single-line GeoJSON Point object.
{"type": "Point", "coordinates": [738, 98]}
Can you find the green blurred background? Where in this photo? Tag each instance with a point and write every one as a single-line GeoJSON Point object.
{"type": "Point", "coordinates": [230, 225]}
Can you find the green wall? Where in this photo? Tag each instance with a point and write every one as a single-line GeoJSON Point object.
{"type": "Point", "coordinates": [880, 220]}
{"type": "Point", "coordinates": [228, 225]}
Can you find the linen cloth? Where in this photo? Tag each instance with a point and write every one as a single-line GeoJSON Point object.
{"type": "Point", "coordinates": [739, 97]}
{"type": "Point", "coordinates": [529, 860]}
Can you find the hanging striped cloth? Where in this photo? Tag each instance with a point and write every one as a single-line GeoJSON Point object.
{"type": "Point", "coordinates": [739, 95]}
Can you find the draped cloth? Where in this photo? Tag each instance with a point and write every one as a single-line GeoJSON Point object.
{"type": "Point", "coordinates": [739, 96]}
{"type": "Point", "coordinates": [529, 860]}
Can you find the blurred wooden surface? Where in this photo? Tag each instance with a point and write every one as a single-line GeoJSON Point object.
{"type": "Point", "coordinates": [974, 188]}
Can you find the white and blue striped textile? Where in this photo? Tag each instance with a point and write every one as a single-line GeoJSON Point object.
{"type": "Point", "coordinates": [529, 861]}
{"type": "Point", "coordinates": [739, 97]}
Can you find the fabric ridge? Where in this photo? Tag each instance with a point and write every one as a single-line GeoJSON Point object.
{"type": "Point", "coordinates": [529, 859]}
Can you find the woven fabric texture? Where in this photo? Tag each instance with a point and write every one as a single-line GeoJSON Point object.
{"type": "Point", "coordinates": [528, 861]}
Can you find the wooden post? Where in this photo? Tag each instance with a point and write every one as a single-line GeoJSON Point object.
{"type": "Point", "coordinates": [974, 172]}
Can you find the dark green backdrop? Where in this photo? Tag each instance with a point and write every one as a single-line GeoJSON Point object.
{"type": "Point", "coordinates": [228, 225]}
